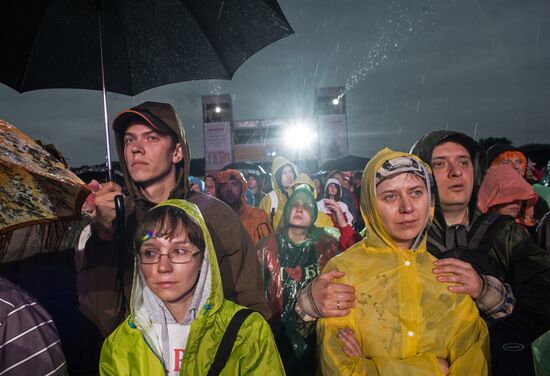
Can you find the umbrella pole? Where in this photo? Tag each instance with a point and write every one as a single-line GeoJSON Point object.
{"type": "Point", "coordinates": [118, 223]}
{"type": "Point", "coordinates": [110, 176]}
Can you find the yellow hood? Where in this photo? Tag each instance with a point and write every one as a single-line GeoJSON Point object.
{"type": "Point", "coordinates": [376, 234]}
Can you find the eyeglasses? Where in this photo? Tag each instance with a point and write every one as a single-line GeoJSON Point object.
{"type": "Point", "coordinates": [179, 256]}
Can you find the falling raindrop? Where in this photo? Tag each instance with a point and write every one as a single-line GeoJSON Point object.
{"type": "Point", "coordinates": [538, 35]}
{"type": "Point", "coordinates": [220, 11]}
{"type": "Point", "coordinates": [316, 69]}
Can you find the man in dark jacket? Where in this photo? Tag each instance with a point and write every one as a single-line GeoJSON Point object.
{"type": "Point", "coordinates": [514, 261]}
{"type": "Point", "coordinates": [155, 160]}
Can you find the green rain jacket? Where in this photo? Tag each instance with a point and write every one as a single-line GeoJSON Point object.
{"type": "Point", "coordinates": [135, 349]}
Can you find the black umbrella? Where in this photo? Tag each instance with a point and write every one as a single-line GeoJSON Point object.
{"type": "Point", "coordinates": [246, 168]}
{"type": "Point", "coordinates": [347, 163]}
{"type": "Point", "coordinates": [538, 153]}
{"type": "Point", "coordinates": [129, 46]}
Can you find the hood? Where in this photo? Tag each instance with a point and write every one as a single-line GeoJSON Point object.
{"type": "Point", "coordinates": [334, 181]}
{"type": "Point", "coordinates": [304, 178]}
{"type": "Point", "coordinates": [301, 193]}
{"type": "Point", "coordinates": [146, 309]}
{"type": "Point", "coordinates": [162, 117]}
{"type": "Point", "coordinates": [424, 148]}
{"type": "Point", "coordinates": [376, 234]}
{"type": "Point", "coordinates": [278, 164]}
{"type": "Point", "coordinates": [503, 185]}
{"type": "Point", "coordinates": [230, 174]}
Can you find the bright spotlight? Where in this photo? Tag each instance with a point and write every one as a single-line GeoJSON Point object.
{"type": "Point", "coordinates": [218, 109]}
{"type": "Point", "coordinates": [336, 101]}
{"type": "Point", "coordinates": [300, 137]}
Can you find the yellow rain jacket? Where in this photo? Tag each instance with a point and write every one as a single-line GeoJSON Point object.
{"type": "Point", "coordinates": [274, 202]}
{"type": "Point", "coordinates": [404, 319]}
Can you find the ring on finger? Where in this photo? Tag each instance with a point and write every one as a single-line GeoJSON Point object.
{"type": "Point", "coordinates": [337, 304]}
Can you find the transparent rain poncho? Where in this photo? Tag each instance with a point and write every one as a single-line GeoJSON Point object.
{"type": "Point", "coordinates": [287, 267]}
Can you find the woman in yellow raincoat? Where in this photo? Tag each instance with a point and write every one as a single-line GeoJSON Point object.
{"type": "Point", "coordinates": [404, 322]}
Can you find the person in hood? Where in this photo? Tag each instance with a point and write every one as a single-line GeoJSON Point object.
{"type": "Point", "coordinates": [155, 160]}
{"type": "Point", "coordinates": [511, 282]}
{"type": "Point", "coordinates": [502, 154]}
{"type": "Point", "coordinates": [333, 195]}
{"type": "Point", "coordinates": [339, 213]}
{"type": "Point", "coordinates": [404, 322]}
{"type": "Point", "coordinates": [231, 187]}
{"type": "Point", "coordinates": [178, 312]}
{"type": "Point", "coordinates": [505, 192]}
{"type": "Point", "coordinates": [283, 175]}
{"type": "Point", "coordinates": [289, 259]}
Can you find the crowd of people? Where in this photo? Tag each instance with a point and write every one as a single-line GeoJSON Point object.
{"type": "Point", "coordinates": [429, 262]}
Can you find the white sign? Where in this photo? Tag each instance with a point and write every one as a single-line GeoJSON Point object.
{"type": "Point", "coordinates": [333, 137]}
{"type": "Point", "coordinates": [217, 145]}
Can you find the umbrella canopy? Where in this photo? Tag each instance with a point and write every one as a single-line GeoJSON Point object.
{"type": "Point", "coordinates": [34, 186]}
{"type": "Point", "coordinates": [538, 153]}
{"type": "Point", "coordinates": [246, 168]}
{"type": "Point", "coordinates": [347, 163]}
{"type": "Point", "coordinates": [145, 43]}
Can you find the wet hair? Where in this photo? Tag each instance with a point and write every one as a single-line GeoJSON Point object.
{"type": "Point", "coordinates": [168, 221]}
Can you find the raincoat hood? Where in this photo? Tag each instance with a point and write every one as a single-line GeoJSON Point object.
{"type": "Point", "coordinates": [303, 178]}
{"type": "Point", "coordinates": [425, 146]}
{"type": "Point", "coordinates": [230, 174]}
{"type": "Point", "coordinates": [301, 193]}
{"type": "Point", "coordinates": [503, 185]}
{"type": "Point", "coordinates": [376, 235]}
{"type": "Point", "coordinates": [146, 309]}
{"type": "Point", "coordinates": [278, 164]}
{"type": "Point", "coordinates": [163, 118]}
{"type": "Point", "coordinates": [338, 185]}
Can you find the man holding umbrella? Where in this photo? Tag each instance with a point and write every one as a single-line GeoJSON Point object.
{"type": "Point", "coordinates": [155, 159]}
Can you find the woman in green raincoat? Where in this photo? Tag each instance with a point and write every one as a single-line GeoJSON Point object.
{"type": "Point", "coordinates": [404, 321]}
{"type": "Point", "coordinates": [178, 312]}
{"type": "Point", "coordinates": [290, 258]}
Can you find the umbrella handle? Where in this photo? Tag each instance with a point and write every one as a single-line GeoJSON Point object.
{"type": "Point", "coordinates": [118, 224]}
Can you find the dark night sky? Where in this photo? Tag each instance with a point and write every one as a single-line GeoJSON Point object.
{"type": "Point", "coordinates": [482, 68]}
